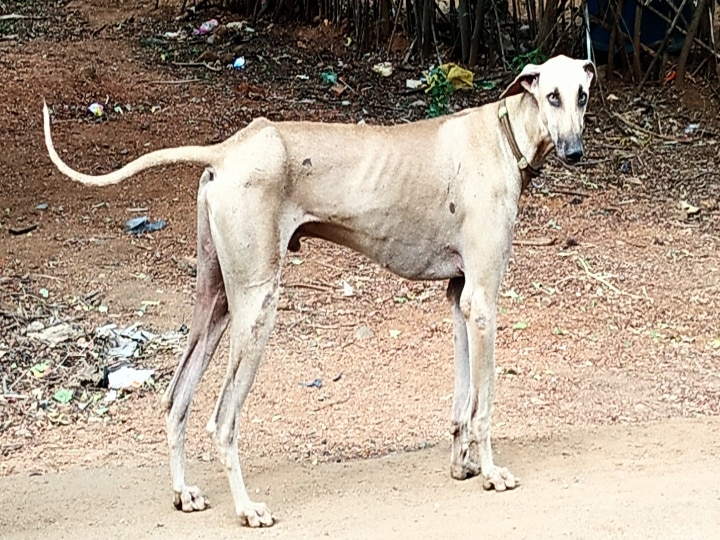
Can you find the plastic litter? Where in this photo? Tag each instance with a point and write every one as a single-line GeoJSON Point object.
{"type": "Point", "coordinates": [239, 63]}
{"type": "Point", "coordinates": [329, 76]}
{"type": "Point", "coordinates": [128, 377]}
{"type": "Point", "coordinates": [42, 206]}
{"type": "Point", "coordinates": [316, 383]}
{"type": "Point", "coordinates": [385, 69]}
{"type": "Point", "coordinates": [96, 109]}
{"type": "Point", "coordinates": [206, 27]}
{"type": "Point", "coordinates": [142, 225]}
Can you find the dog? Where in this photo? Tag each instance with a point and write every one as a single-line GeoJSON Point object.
{"type": "Point", "coordinates": [432, 200]}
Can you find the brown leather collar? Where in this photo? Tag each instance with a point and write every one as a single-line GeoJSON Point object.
{"type": "Point", "coordinates": [528, 173]}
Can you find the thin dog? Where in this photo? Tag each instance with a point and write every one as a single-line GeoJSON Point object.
{"type": "Point", "coordinates": [435, 199]}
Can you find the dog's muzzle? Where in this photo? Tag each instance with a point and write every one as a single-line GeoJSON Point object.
{"type": "Point", "coordinates": [571, 152]}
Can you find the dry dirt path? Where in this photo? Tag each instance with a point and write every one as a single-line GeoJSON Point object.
{"type": "Point", "coordinates": [636, 481]}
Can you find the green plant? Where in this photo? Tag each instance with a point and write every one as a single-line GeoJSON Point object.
{"type": "Point", "coordinates": [439, 89]}
{"type": "Point", "coordinates": [518, 62]}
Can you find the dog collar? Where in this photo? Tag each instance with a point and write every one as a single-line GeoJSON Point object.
{"type": "Point", "coordinates": [528, 173]}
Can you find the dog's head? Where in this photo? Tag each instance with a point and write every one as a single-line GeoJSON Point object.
{"type": "Point", "coordinates": [560, 87]}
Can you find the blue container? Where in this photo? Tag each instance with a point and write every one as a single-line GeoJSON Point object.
{"type": "Point", "coordinates": [652, 28]}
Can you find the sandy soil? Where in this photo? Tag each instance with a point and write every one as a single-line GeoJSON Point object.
{"type": "Point", "coordinates": [608, 347]}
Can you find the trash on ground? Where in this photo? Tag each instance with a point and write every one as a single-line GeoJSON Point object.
{"type": "Point", "coordinates": [206, 27]}
{"type": "Point", "coordinates": [691, 128]}
{"type": "Point", "coordinates": [239, 63]}
{"type": "Point", "coordinates": [96, 109]}
{"type": "Point", "coordinates": [180, 34]}
{"type": "Point", "coordinates": [329, 76]}
{"type": "Point", "coordinates": [128, 377]}
{"type": "Point", "coordinates": [316, 383]}
{"type": "Point", "coordinates": [42, 206]}
{"type": "Point", "coordinates": [123, 343]}
{"type": "Point", "coordinates": [384, 69]}
{"type": "Point", "coordinates": [347, 289]}
{"type": "Point", "coordinates": [459, 77]}
{"type": "Point", "coordinates": [240, 25]}
{"type": "Point", "coordinates": [142, 225]}
{"type": "Point", "coordinates": [413, 83]}
{"type": "Point", "coordinates": [689, 209]}
{"type": "Point", "coordinates": [55, 335]}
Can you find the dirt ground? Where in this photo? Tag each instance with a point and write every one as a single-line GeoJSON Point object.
{"type": "Point", "coordinates": [608, 388]}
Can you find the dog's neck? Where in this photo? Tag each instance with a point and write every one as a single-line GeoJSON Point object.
{"type": "Point", "coordinates": [528, 141]}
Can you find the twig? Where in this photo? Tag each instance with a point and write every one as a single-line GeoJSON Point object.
{"type": "Point", "coordinates": [534, 242]}
{"type": "Point", "coordinates": [323, 288]}
{"type": "Point", "coordinates": [571, 193]}
{"type": "Point", "coordinates": [340, 79]}
{"type": "Point", "coordinates": [198, 64]}
{"type": "Point", "coordinates": [180, 81]}
{"type": "Point", "coordinates": [332, 404]}
{"type": "Point", "coordinates": [603, 279]}
{"type": "Point", "coordinates": [17, 16]}
{"type": "Point", "coordinates": [45, 276]}
{"type": "Point", "coordinates": [99, 29]}
{"type": "Point", "coordinates": [10, 37]}
{"type": "Point", "coordinates": [633, 125]}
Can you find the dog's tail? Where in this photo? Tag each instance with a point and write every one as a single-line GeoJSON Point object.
{"type": "Point", "coordinates": [205, 155]}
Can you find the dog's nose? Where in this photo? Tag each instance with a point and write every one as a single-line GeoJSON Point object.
{"type": "Point", "coordinates": [574, 155]}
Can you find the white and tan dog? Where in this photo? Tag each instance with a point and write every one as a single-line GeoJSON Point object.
{"type": "Point", "coordinates": [435, 199]}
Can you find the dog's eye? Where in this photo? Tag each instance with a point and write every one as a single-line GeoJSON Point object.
{"type": "Point", "coordinates": [554, 98]}
{"type": "Point", "coordinates": [582, 99]}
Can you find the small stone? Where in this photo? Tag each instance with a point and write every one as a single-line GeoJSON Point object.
{"type": "Point", "coordinates": [363, 332]}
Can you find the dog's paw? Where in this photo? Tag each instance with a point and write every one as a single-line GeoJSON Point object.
{"type": "Point", "coordinates": [464, 470]}
{"type": "Point", "coordinates": [256, 515]}
{"type": "Point", "coordinates": [190, 499]}
{"type": "Point", "coordinates": [500, 479]}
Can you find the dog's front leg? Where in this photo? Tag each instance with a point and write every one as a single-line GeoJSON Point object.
{"type": "Point", "coordinates": [475, 320]}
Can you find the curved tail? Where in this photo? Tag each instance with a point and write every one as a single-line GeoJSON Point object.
{"type": "Point", "coordinates": [205, 155]}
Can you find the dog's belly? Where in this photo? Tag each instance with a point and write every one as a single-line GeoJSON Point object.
{"type": "Point", "coordinates": [417, 258]}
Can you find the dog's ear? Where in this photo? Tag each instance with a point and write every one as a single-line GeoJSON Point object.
{"type": "Point", "coordinates": [590, 69]}
{"type": "Point", "coordinates": [524, 82]}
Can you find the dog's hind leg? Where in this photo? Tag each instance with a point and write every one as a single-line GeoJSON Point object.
{"type": "Point", "coordinates": [208, 324]}
{"type": "Point", "coordinates": [251, 243]}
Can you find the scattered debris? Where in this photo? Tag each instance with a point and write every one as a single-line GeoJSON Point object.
{"type": "Point", "coordinates": [347, 289]}
{"type": "Point", "coordinates": [206, 27]}
{"type": "Point", "coordinates": [96, 109]}
{"type": "Point", "coordinates": [337, 377]}
{"type": "Point", "coordinates": [315, 383]}
{"type": "Point", "coordinates": [689, 209]}
{"type": "Point", "coordinates": [142, 225]}
{"type": "Point", "coordinates": [384, 69]}
{"type": "Point", "coordinates": [413, 84]}
{"type": "Point", "coordinates": [128, 377]}
{"type": "Point", "coordinates": [42, 206]}
{"type": "Point", "coordinates": [329, 76]}
{"type": "Point", "coordinates": [54, 335]}
{"type": "Point", "coordinates": [239, 63]}
{"type": "Point", "coordinates": [17, 231]}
